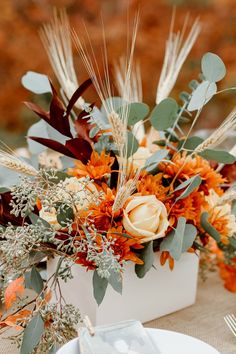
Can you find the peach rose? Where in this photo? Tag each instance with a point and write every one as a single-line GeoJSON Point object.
{"type": "Point", "coordinates": [145, 217]}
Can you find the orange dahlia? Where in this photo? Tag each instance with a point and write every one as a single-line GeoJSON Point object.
{"type": "Point", "coordinates": [97, 167]}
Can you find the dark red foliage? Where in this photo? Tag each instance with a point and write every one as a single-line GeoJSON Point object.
{"type": "Point", "coordinates": [5, 211]}
{"type": "Point", "coordinates": [76, 148]}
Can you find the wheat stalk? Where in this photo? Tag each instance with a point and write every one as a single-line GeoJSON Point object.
{"type": "Point", "coordinates": [220, 134]}
{"type": "Point", "coordinates": [134, 93]}
{"type": "Point", "coordinates": [56, 38]}
{"type": "Point", "coordinates": [175, 55]}
{"type": "Point", "coordinates": [14, 163]}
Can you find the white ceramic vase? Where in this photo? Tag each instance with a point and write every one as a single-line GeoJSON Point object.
{"type": "Point", "coordinates": [159, 293]}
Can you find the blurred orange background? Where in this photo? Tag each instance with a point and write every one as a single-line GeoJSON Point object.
{"type": "Point", "coordinates": [21, 49]}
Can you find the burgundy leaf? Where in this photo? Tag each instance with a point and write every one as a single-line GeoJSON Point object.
{"type": "Point", "coordinates": [39, 111]}
{"type": "Point", "coordinates": [58, 118]}
{"type": "Point", "coordinates": [82, 126]}
{"type": "Point", "coordinates": [5, 211]}
{"type": "Point", "coordinates": [76, 148]}
{"type": "Point", "coordinates": [80, 148]}
{"type": "Point", "coordinates": [77, 94]}
{"type": "Point", "coordinates": [54, 145]}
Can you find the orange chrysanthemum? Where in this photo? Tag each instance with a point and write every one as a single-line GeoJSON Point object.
{"type": "Point", "coordinates": [100, 214]}
{"type": "Point", "coordinates": [194, 166]}
{"type": "Point", "coordinates": [97, 167]}
{"type": "Point", "coordinates": [152, 185]}
{"type": "Point", "coordinates": [189, 207]}
{"type": "Point", "coordinates": [122, 246]}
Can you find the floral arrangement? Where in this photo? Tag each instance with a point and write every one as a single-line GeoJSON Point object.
{"type": "Point", "coordinates": [98, 189]}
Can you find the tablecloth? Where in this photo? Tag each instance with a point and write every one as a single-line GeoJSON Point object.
{"type": "Point", "coordinates": [203, 320]}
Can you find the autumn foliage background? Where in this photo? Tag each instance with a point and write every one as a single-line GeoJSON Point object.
{"type": "Point", "coordinates": [21, 49]}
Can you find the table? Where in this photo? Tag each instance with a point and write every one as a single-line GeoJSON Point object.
{"type": "Point", "coordinates": [204, 320]}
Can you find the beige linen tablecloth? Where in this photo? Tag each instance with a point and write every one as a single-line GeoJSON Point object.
{"type": "Point", "coordinates": [204, 320]}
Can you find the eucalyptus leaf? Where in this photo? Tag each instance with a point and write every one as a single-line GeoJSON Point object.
{"type": "Point", "coordinates": [155, 159]}
{"type": "Point", "coordinates": [213, 68]}
{"type": "Point", "coordinates": [115, 280]}
{"type": "Point", "coordinates": [179, 240]}
{"type": "Point", "coordinates": [208, 227]}
{"type": "Point", "coordinates": [32, 335]}
{"type": "Point", "coordinates": [36, 82]}
{"type": "Point", "coordinates": [203, 93]}
{"type": "Point", "coordinates": [99, 287]}
{"type": "Point", "coordinates": [164, 114]}
{"type": "Point", "coordinates": [136, 111]}
{"type": "Point", "coordinates": [147, 256]}
{"type": "Point", "coordinates": [132, 144]}
{"type": "Point", "coordinates": [191, 143]}
{"type": "Point", "coordinates": [27, 277]}
{"type": "Point", "coordinates": [232, 241]}
{"type": "Point", "coordinates": [191, 184]}
{"type": "Point", "coordinates": [220, 156]}
{"type": "Point", "coordinates": [36, 280]}
{"type": "Point", "coordinates": [65, 215]}
{"type": "Point", "coordinates": [114, 102]}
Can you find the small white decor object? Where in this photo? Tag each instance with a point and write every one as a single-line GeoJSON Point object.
{"type": "Point", "coordinates": [144, 299]}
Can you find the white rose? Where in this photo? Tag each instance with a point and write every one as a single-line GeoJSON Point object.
{"type": "Point", "coordinates": [145, 217]}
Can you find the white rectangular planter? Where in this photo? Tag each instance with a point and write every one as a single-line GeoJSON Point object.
{"type": "Point", "coordinates": [159, 293]}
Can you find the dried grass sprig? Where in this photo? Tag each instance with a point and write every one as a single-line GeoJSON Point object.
{"type": "Point", "coordinates": [220, 134]}
{"type": "Point", "coordinates": [118, 122]}
{"type": "Point", "coordinates": [56, 38]}
{"type": "Point", "coordinates": [175, 55]}
{"type": "Point", "coordinates": [125, 192]}
{"type": "Point", "coordinates": [16, 164]}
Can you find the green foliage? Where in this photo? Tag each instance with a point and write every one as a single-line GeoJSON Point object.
{"type": "Point", "coordinates": [36, 280]}
{"type": "Point", "coordinates": [65, 215]}
{"type": "Point", "coordinates": [132, 145]}
{"type": "Point", "coordinates": [164, 114]}
{"type": "Point", "coordinates": [213, 67]}
{"type": "Point", "coordinates": [147, 256]}
{"type": "Point", "coordinates": [190, 184]}
{"type": "Point", "coordinates": [99, 287]}
{"type": "Point", "coordinates": [208, 227]}
{"type": "Point", "coordinates": [191, 143]}
{"type": "Point", "coordinates": [179, 240]}
{"type": "Point", "coordinates": [153, 161]}
{"type": "Point", "coordinates": [137, 111]}
{"type": "Point", "coordinates": [220, 156]}
{"type": "Point", "coordinates": [32, 334]}
{"type": "Point", "coordinates": [203, 93]}
{"type": "Point", "coordinates": [115, 280]}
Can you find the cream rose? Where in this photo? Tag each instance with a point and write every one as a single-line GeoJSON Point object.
{"type": "Point", "coordinates": [145, 217]}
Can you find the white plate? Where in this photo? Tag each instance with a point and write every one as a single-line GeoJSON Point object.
{"type": "Point", "coordinates": [168, 342]}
